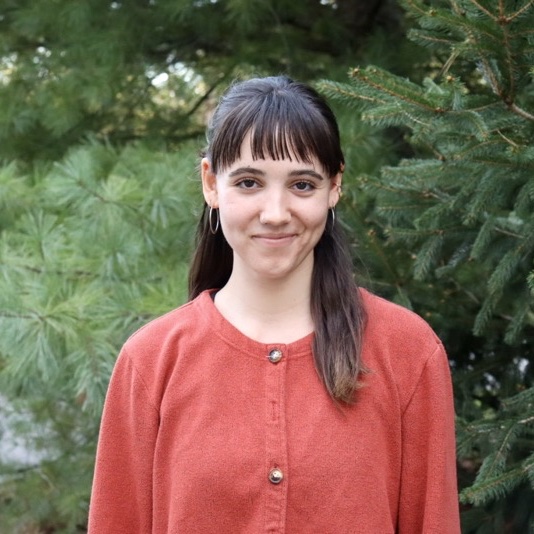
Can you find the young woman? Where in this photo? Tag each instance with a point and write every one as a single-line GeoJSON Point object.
{"type": "Point", "coordinates": [282, 398]}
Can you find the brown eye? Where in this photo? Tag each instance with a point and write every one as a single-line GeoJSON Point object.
{"type": "Point", "coordinates": [304, 186]}
{"type": "Point", "coordinates": [247, 183]}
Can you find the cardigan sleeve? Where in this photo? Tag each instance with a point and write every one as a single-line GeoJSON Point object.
{"type": "Point", "coordinates": [428, 497]}
{"type": "Point", "coordinates": [121, 499]}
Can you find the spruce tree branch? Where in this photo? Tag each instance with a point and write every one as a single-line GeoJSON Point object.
{"type": "Point", "coordinates": [500, 453]}
{"type": "Point", "coordinates": [338, 90]}
{"type": "Point", "coordinates": [437, 154]}
{"type": "Point", "coordinates": [503, 20]}
{"type": "Point", "coordinates": [416, 8]}
{"type": "Point", "coordinates": [484, 10]}
{"type": "Point", "coordinates": [456, 8]}
{"type": "Point", "coordinates": [507, 233]}
{"type": "Point", "coordinates": [509, 64]}
{"type": "Point", "coordinates": [501, 10]}
{"type": "Point", "coordinates": [436, 40]}
{"type": "Point", "coordinates": [357, 73]}
{"type": "Point", "coordinates": [465, 155]}
{"type": "Point", "coordinates": [470, 295]}
{"type": "Point", "coordinates": [472, 39]}
{"type": "Point", "coordinates": [521, 112]}
{"type": "Point", "coordinates": [488, 73]}
{"type": "Point", "coordinates": [508, 140]}
{"type": "Point", "coordinates": [475, 494]}
{"type": "Point", "coordinates": [379, 250]}
{"type": "Point", "coordinates": [519, 12]}
{"type": "Point", "coordinates": [448, 64]}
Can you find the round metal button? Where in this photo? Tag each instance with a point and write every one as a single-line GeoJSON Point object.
{"type": "Point", "coordinates": [275, 356]}
{"type": "Point", "coordinates": [276, 476]}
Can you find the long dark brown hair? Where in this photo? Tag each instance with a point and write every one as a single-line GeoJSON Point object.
{"type": "Point", "coordinates": [285, 119]}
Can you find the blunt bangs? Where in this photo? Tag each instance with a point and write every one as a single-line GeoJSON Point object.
{"type": "Point", "coordinates": [285, 120]}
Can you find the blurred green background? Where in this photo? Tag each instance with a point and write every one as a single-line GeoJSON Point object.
{"type": "Point", "coordinates": [103, 107]}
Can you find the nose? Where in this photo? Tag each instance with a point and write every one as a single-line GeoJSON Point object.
{"type": "Point", "coordinates": [275, 210]}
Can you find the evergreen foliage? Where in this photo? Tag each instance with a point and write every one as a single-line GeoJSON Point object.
{"type": "Point", "coordinates": [122, 70]}
{"type": "Point", "coordinates": [99, 102]}
{"type": "Point", "coordinates": [92, 247]}
{"type": "Point", "coordinates": [101, 106]}
{"type": "Point", "coordinates": [459, 209]}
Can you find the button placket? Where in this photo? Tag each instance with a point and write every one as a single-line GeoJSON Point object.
{"type": "Point", "coordinates": [276, 439]}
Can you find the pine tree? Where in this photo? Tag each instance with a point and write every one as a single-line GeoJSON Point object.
{"type": "Point", "coordinates": [122, 69]}
{"type": "Point", "coordinates": [459, 208]}
{"type": "Point", "coordinates": [101, 105]}
{"type": "Point", "coordinates": [93, 247]}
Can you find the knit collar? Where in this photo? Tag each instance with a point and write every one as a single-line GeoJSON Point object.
{"type": "Point", "coordinates": [239, 341]}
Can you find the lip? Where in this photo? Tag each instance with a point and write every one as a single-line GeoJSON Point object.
{"type": "Point", "coordinates": [275, 240]}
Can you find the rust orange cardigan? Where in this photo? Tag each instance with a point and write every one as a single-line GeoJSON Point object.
{"type": "Point", "coordinates": [203, 433]}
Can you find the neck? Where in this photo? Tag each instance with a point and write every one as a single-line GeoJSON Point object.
{"type": "Point", "coordinates": [268, 310]}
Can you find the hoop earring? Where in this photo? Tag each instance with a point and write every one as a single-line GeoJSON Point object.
{"type": "Point", "coordinates": [333, 212]}
{"type": "Point", "coordinates": [210, 220]}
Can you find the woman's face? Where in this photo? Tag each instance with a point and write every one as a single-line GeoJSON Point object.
{"type": "Point", "coordinates": [272, 212]}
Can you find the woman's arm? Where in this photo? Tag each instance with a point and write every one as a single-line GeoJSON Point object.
{"type": "Point", "coordinates": [429, 497]}
{"type": "Point", "coordinates": [121, 500]}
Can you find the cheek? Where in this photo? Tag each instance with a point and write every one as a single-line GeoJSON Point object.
{"type": "Point", "coordinates": [235, 215]}
{"type": "Point", "coordinates": [317, 221]}
{"type": "Point", "coordinates": [322, 220]}
{"type": "Point", "coordinates": [316, 215]}
{"type": "Point", "coordinates": [229, 221]}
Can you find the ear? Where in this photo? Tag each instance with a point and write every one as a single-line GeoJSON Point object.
{"type": "Point", "coordinates": [209, 183]}
{"type": "Point", "coordinates": [335, 189]}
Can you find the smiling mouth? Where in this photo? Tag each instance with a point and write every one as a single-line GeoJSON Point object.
{"type": "Point", "coordinates": [275, 240]}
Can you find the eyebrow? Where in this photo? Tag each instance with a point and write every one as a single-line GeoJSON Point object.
{"type": "Point", "coordinates": [258, 172]}
{"type": "Point", "coordinates": [307, 172]}
{"type": "Point", "coordinates": [246, 170]}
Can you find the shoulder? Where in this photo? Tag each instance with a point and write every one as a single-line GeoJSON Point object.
{"type": "Point", "coordinates": [400, 345]}
{"type": "Point", "coordinates": [175, 327]}
{"type": "Point", "coordinates": [393, 323]}
{"type": "Point", "coordinates": [152, 353]}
